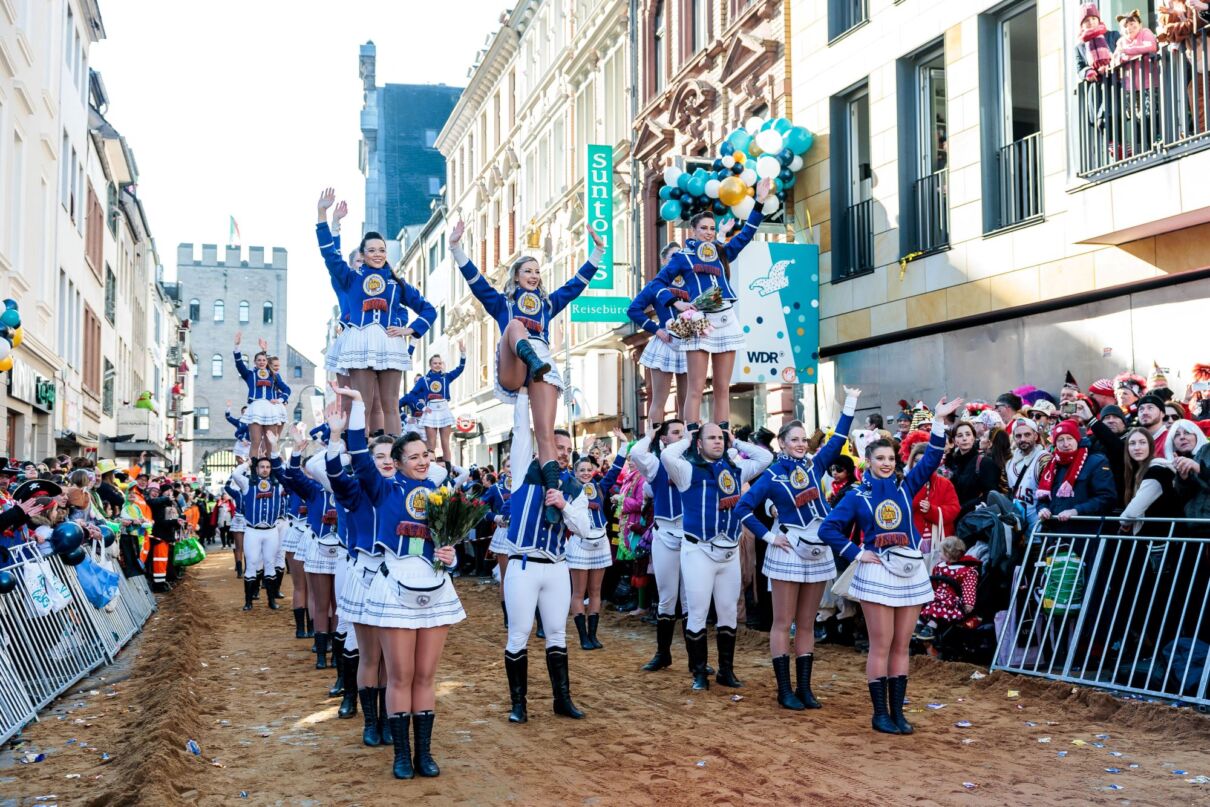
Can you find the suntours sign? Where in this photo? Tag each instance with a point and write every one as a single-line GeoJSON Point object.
{"type": "Point", "coordinates": [598, 209]}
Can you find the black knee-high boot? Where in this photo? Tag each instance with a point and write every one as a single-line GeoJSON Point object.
{"type": "Point", "coordinates": [725, 637]}
{"type": "Point", "coordinates": [402, 737]}
{"type": "Point", "coordinates": [423, 760]}
{"type": "Point", "coordinates": [384, 725]}
{"type": "Point", "coordinates": [664, 626]}
{"type": "Point", "coordinates": [281, 578]}
{"type": "Point", "coordinates": [550, 481]}
{"type": "Point", "coordinates": [338, 661]}
{"type": "Point", "coordinates": [321, 650]}
{"type": "Point", "coordinates": [310, 629]}
{"type": "Point", "coordinates": [881, 721]}
{"type": "Point", "coordinates": [695, 647]}
{"type": "Point", "coordinates": [593, 621]}
{"type": "Point", "coordinates": [272, 584]}
{"type": "Point", "coordinates": [300, 623]}
{"type": "Point", "coordinates": [560, 682]}
{"type": "Point", "coordinates": [516, 666]}
{"type": "Point", "coordinates": [348, 704]}
{"type": "Point", "coordinates": [804, 664]}
{"type": "Point", "coordinates": [504, 608]}
{"type": "Point", "coordinates": [533, 362]}
{"type": "Point", "coordinates": [538, 621]}
{"type": "Point", "coordinates": [785, 695]}
{"type": "Point", "coordinates": [368, 696]}
{"type": "Point", "coordinates": [249, 593]}
{"type": "Point", "coordinates": [582, 629]}
{"type": "Point", "coordinates": [260, 582]}
{"type": "Point", "coordinates": [896, 695]}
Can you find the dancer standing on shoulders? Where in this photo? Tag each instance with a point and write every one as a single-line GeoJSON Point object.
{"type": "Point", "coordinates": [523, 358]}
{"type": "Point", "coordinates": [709, 473]}
{"type": "Point", "coordinates": [891, 581]}
{"type": "Point", "coordinates": [661, 356]}
{"type": "Point", "coordinates": [434, 388]}
{"type": "Point", "coordinates": [704, 264]}
{"type": "Point", "coordinates": [588, 555]}
{"type": "Point", "coordinates": [797, 563]}
{"type": "Point", "coordinates": [261, 413]}
{"type": "Point", "coordinates": [374, 350]}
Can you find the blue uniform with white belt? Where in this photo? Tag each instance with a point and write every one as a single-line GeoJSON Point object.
{"type": "Point", "coordinates": [262, 502]}
{"type": "Point", "coordinates": [667, 516]}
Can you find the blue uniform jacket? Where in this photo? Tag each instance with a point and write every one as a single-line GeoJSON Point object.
{"type": "Point", "coordinates": [665, 498]}
{"type": "Point", "coordinates": [354, 513]}
{"type": "Point", "coordinates": [711, 490]}
{"type": "Point", "coordinates": [534, 310]}
{"type": "Point", "coordinates": [261, 501]}
{"type": "Point", "coordinates": [434, 386]}
{"type": "Point", "coordinates": [241, 429]}
{"type": "Point", "coordinates": [700, 265]}
{"type": "Point", "coordinates": [597, 493]}
{"type": "Point", "coordinates": [647, 298]}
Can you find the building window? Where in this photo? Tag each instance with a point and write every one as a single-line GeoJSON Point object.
{"type": "Point", "coordinates": [658, 37]}
{"type": "Point", "coordinates": [852, 184]}
{"type": "Point", "coordinates": [434, 261]}
{"type": "Point", "coordinates": [923, 172]}
{"type": "Point", "coordinates": [430, 138]}
{"type": "Point", "coordinates": [111, 214]}
{"type": "Point", "coordinates": [94, 235]}
{"type": "Point", "coordinates": [267, 313]}
{"type": "Point", "coordinates": [298, 371]}
{"type": "Point", "coordinates": [700, 30]}
{"type": "Point", "coordinates": [201, 418]}
{"type": "Point", "coordinates": [195, 309]}
{"type": "Point", "coordinates": [91, 371]}
{"type": "Point", "coordinates": [243, 312]}
{"type": "Point", "coordinates": [111, 294]}
{"type": "Point", "coordinates": [845, 15]}
{"type": "Point", "coordinates": [107, 389]}
{"type": "Point", "coordinates": [220, 311]}
{"type": "Point", "coordinates": [216, 365]}
{"type": "Point", "coordinates": [1011, 117]}
{"type": "Point", "coordinates": [434, 186]}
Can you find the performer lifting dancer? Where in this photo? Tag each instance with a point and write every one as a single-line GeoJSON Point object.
{"type": "Point", "coordinates": [523, 358]}
{"type": "Point", "coordinates": [709, 474]}
{"type": "Point", "coordinates": [374, 349]}
{"type": "Point", "coordinates": [891, 581]}
{"type": "Point", "coordinates": [260, 500]}
{"type": "Point", "coordinates": [797, 563]}
{"type": "Point", "coordinates": [497, 497]}
{"type": "Point", "coordinates": [434, 388]}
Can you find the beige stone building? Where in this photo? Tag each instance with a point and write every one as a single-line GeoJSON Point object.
{"type": "Point", "coordinates": [987, 217]}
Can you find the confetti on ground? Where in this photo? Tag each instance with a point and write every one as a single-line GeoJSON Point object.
{"type": "Point", "coordinates": [1014, 693]}
{"type": "Point", "coordinates": [969, 785]}
{"type": "Point", "coordinates": [701, 763]}
{"type": "Point", "coordinates": [1043, 739]}
{"type": "Point", "coordinates": [737, 698]}
{"type": "Point", "coordinates": [1199, 780]}
{"type": "Point", "coordinates": [1133, 765]}
{"type": "Point", "coordinates": [976, 675]}
{"type": "Point", "coordinates": [1030, 723]}
{"type": "Point", "coordinates": [963, 724]}
{"type": "Point", "coordinates": [1062, 754]}
{"type": "Point", "coordinates": [1179, 773]}
{"type": "Point", "coordinates": [193, 748]}
{"type": "Point", "coordinates": [1102, 736]}
{"type": "Point", "coordinates": [1078, 742]}
{"type": "Point", "coordinates": [1116, 787]}
{"type": "Point", "coordinates": [936, 706]}
{"type": "Point", "coordinates": [1113, 770]}
{"type": "Point", "coordinates": [1098, 745]}
{"type": "Point", "coordinates": [29, 758]}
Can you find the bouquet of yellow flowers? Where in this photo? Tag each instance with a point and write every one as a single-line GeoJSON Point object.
{"type": "Point", "coordinates": [451, 515]}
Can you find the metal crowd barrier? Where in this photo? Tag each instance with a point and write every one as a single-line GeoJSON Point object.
{"type": "Point", "coordinates": [43, 655]}
{"type": "Point", "coordinates": [1092, 605]}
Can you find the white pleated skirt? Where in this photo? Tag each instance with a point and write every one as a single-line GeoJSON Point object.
{"type": "Point", "coordinates": [552, 376]}
{"type": "Point", "coordinates": [242, 449]}
{"type": "Point", "coordinates": [500, 544]}
{"type": "Point", "coordinates": [238, 523]}
{"type": "Point", "coordinates": [322, 556]}
{"type": "Point", "coordinates": [664, 357]}
{"type": "Point", "coordinates": [437, 415]}
{"type": "Point", "coordinates": [332, 354]}
{"type": "Point", "coordinates": [370, 348]}
{"type": "Point", "coordinates": [264, 412]}
{"type": "Point", "coordinates": [727, 335]}
{"type": "Point", "coordinates": [789, 566]}
{"type": "Point", "coordinates": [295, 531]}
{"type": "Point", "coordinates": [389, 604]}
{"type": "Point", "coordinates": [873, 583]}
{"type": "Point", "coordinates": [588, 553]}
{"type": "Point", "coordinates": [351, 598]}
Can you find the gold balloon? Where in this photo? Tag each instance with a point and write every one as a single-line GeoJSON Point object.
{"type": "Point", "coordinates": [755, 150]}
{"type": "Point", "coordinates": [749, 190]}
{"type": "Point", "coordinates": [6, 364]}
{"type": "Point", "coordinates": [731, 190]}
{"type": "Point", "coordinates": [18, 336]}
{"type": "Point", "coordinates": [739, 156]}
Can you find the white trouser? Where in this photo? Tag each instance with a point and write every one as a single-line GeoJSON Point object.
{"type": "Point", "coordinates": [544, 585]}
{"type": "Point", "coordinates": [703, 578]}
{"type": "Point", "coordinates": [260, 551]}
{"type": "Point", "coordinates": [279, 559]}
{"type": "Point", "coordinates": [667, 565]}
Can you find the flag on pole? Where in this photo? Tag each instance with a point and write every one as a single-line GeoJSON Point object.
{"type": "Point", "coordinates": [233, 234]}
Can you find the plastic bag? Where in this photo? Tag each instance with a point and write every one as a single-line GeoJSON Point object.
{"type": "Point", "coordinates": [99, 585]}
{"type": "Point", "coordinates": [187, 552]}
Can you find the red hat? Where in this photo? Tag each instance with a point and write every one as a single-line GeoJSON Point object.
{"type": "Point", "coordinates": [1201, 372]}
{"type": "Point", "coordinates": [1131, 381]}
{"type": "Point", "coordinates": [1101, 386]}
{"type": "Point", "coordinates": [910, 439]}
{"type": "Point", "coordinates": [1068, 427]}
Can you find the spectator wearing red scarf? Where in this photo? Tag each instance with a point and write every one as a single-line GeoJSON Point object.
{"type": "Point", "coordinates": [1076, 482]}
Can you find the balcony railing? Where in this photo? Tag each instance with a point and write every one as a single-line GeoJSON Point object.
{"type": "Point", "coordinates": [932, 212]}
{"type": "Point", "coordinates": [858, 238]}
{"type": "Point", "coordinates": [1145, 110]}
{"type": "Point", "coordinates": [1020, 170]}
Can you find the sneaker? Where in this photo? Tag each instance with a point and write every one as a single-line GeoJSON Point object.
{"type": "Point", "coordinates": [925, 633]}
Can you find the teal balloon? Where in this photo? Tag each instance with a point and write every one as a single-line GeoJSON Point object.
{"type": "Point", "coordinates": [740, 139]}
{"type": "Point", "coordinates": [682, 181]}
{"type": "Point", "coordinates": [11, 317]}
{"type": "Point", "coordinates": [9, 302]}
{"type": "Point", "coordinates": [697, 185]}
{"type": "Point", "coordinates": [666, 192]}
{"type": "Point", "coordinates": [670, 210]}
{"type": "Point", "coordinates": [768, 124]}
{"type": "Point", "coordinates": [781, 126]}
{"type": "Point", "coordinates": [798, 139]}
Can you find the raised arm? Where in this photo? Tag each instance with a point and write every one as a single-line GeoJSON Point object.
{"type": "Point", "coordinates": [733, 247]}
{"type": "Point", "coordinates": [457, 371]}
{"type": "Point", "coordinates": [755, 461]}
{"type": "Point", "coordinates": [680, 472]}
{"type": "Point", "coordinates": [832, 448]}
{"type": "Point", "coordinates": [329, 249]}
{"type": "Point", "coordinates": [575, 286]}
{"type": "Point", "coordinates": [491, 300]}
{"type": "Point", "coordinates": [241, 366]}
{"type": "Point", "coordinates": [375, 487]}
{"type": "Point", "coordinates": [522, 452]}
{"type": "Point", "coordinates": [923, 470]}
{"type": "Point", "coordinates": [611, 476]}
{"type": "Point", "coordinates": [647, 463]}
{"type": "Point", "coordinates": [234, 421]}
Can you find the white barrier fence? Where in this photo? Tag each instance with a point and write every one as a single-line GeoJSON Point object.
{"type": "Point", "coordinates": [1097, 606]}
{"type": "Point", "coordinates": [52, 636]}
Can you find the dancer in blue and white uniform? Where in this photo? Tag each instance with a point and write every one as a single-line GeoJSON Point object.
{"type": "Point", "coordinates": [374, 349]}
{"type": "Point", "coordinates": [661, 356]}
{"type": "Point", "coordinates": [261, 500]}
{"type": "Point", "coordinates": [797, 563]}
{"type": "Point", "coordinates": [496, 498]}
{"type": "Point", "coordinates": [891, 580]}
{"type": "Point", "coordinates": [705, 263]}
{"type": "Point", "coordinates": [434, 389]}
{"type": "Point", "coordinates": [243, 445]}
{"type": "Point", "coordinates": [588, 555]}
{"type": "Point", "coordinates": [411, 409]}
{"type": "Point", "coordinates": [537, 575]}
{"type": "Point", "coordinates": [523, 359]}
{"type": "Point", "coordinates": [261, 414]}
{"type": "Point", "coordinates": [413, 600]}
{"type": "Point", "coordinates": [354, 259]}
{"type": "Point", "coordinates": [709, 473]}
{"type": "Point", "coordinates": [667, 532]}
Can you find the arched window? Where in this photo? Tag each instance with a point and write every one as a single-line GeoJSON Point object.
{"type": "Point", "coordinates": [267, 313]}
{"type": "Point", "coordinates": [216, 365]}
{"type": "Point", "coordinates": [195, 309]}
{"type": "Point", "coordinates": [657, 46]}
{"type": "Point", "coordinates": [243, 312]}
{"type": "Point", "coordinates": [220, 311]}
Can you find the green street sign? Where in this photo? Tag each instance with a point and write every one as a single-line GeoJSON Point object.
{"type": "Point", "coordinates": [600, 309]}
{"type": "Point", "coordinates": [598, 208]}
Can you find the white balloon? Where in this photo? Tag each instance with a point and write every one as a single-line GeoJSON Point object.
{"type": "Point", "coordinates": [753, 125]}
{"type": "Point", "coordinates": [5, 349]}
{"type": "Point", "coordinates": [712, 186]}
{"type": "Point", "coordinates": [796, 164]}
{"type": "Point", "coordinates": [768, 167]}
{"type": "Point", "coordinates": [771, 204]}
{"type": "Point", "coordinates": [728, 161]}
{"type": "Point", "coordinates": [671, 175]}
{"type": "Point", "coordinates": [743, 207]}
{"type": "Point", "coordinates": [748, 177]}
{"type": "Point", "coordinates": [770, 141]}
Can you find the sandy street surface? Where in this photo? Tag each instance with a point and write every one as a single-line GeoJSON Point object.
{"type": "Point", "coordinates": [246, 691]}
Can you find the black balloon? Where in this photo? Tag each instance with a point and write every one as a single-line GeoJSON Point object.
{"type": "Point", "coordinates": [717, 164]}
{"type": "Point", "coordinates": [737, 169]}
{"type": "Point", "coordinates": [8, 582]}
{"type": "Point", "coordinates": [785, 157]}
{"type": "Point", "coordinates": [676, 193]}
{"type": "Point", "coordinates": [75, 557]}
{"type": "Point", "coordinates": [786, 175]}
{"type": "Point", "coordinates": [67, 536]}
{"type": "Point", "coordinates": [719, 207]}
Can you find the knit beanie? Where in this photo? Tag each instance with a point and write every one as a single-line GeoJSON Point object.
{"type": "Point", "coordinates": [1102, 386]}
{"type": "Point", "coordinates": [1114, 411]}
{"type": "Point", "coordinates": [1068, 427]}
{"type": "Point", "coordinates": [1151, 398]}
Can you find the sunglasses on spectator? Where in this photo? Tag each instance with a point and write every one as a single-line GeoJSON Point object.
{"type": "Point", "coordinates": [1171, 418]}
{"type": "Point", "coordinates": [835, 469]}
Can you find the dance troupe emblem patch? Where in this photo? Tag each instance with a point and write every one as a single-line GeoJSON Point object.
{"type": "Point", "coordinates": [888, 515]}
{"type": "Point", "coordinates": [529, 303]}
{"type": "Point", "coordinates": [263, 485]}
{"type": "Point", "coordinates": [798, 478]}
{"type": "Point", "coordinates": [435, 386]}
{"type": "Point", "coordinates": [590, 490]}
{"type": "Point", "coordinates": [726, 483]}
{"type": "Point", "coordinates": [373, 285]}
{"type": "Point", "coordinates": [416, 502]}
{"type": "Point", "coordinates": [707, 252]}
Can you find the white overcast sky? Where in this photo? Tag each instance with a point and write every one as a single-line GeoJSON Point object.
{"type": "Point", "coordinates": [248, 108]}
